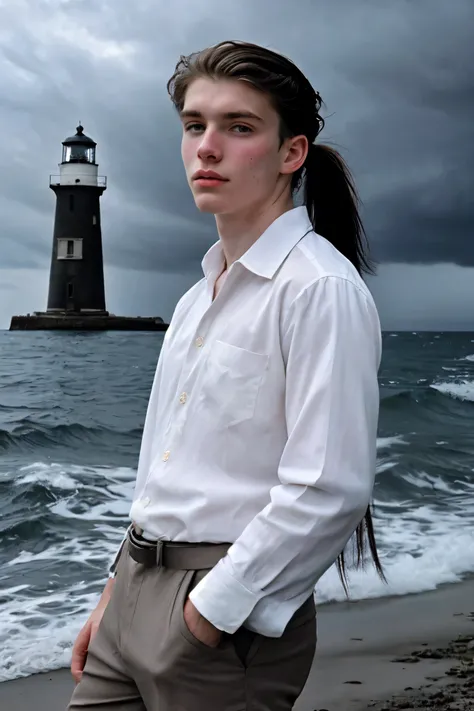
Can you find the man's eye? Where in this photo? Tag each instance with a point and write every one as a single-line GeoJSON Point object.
{"type": "Point", "coordinates": [242, 129]}
{"type": "Point", "coordinates": [194, 127]}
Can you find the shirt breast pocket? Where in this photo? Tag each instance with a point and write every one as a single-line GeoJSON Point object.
{"type": "Point", "coordinates": [231, 384]}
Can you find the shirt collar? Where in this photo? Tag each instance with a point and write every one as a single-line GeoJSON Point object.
{"type": "Point", "coordinates": [269, 252]}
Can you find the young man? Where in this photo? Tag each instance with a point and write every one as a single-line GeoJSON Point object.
{"type": "Point", "coordinates": [258, 453]}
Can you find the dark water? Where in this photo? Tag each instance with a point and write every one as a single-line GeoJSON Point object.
{"type": "Point", "coordinates": [72, 408]}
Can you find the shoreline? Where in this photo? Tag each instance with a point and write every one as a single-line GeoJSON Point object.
{"type": "Point", "coordinates": [365, 657]}
{"type": "Point", "coordinates": [369, 651]}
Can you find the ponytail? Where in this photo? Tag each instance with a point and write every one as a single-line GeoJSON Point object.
{"type": "Point", "coordinates": [332, 203]}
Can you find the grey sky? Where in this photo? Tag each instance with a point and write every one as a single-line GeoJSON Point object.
{"type": "Point", "coordinates": [398, 83]}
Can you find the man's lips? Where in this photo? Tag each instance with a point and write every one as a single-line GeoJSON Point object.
{"type": "Point", "coordinates": [208, 175]}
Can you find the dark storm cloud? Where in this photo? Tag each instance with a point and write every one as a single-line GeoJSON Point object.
{"type": "Point", "coordinates": [397, 79]}
{"type": "Point", "coordinates": [420, 141]}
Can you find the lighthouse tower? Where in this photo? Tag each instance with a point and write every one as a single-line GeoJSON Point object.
{"type": "Point", "coordinates": [76, 282]}
{"type": "Point", "coordinates": [76, 298]}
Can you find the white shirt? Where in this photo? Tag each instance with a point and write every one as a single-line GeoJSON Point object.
{"type": "Point", "coordinates": [262, 420]}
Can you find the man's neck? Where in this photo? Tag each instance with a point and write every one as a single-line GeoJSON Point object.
{"type": "Point", "coordinates": [239, 232]}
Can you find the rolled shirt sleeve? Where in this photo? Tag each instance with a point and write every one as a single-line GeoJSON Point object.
{"type": "Point", "coordinates": [331, 342]}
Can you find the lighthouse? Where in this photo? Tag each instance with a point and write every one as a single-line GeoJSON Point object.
{"type": "Point", "coordinates": [76, 281]}
{"type": "Point", "coordinates": [76, 295]}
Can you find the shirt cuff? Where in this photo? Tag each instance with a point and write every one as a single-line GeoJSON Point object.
{"type": "Point", "coordinates": [222, 600]}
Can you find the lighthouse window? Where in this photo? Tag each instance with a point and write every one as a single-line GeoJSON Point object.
{"type": "Point", "coordinates": [69, 248]}
{"type": "Point", "coordinates": [78, 154]}
{"type": "Point", "coordinates": [94, 219]}
{"type": "Point", "coordinates": [71, 203]}
{"type": "Point", "coordinates": [70, 290]}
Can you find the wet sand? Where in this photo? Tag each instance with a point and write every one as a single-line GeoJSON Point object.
{"type": "Point", "coordinates": [393, 653]}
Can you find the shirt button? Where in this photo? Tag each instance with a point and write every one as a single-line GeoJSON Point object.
{"type": "Point", "coordinates": [146, 502]}
{"type": "Point", "coordinates": [199, 342]}
{"type": "Point", "coordinates": [183, 397]}
{"type": "Point", "coordinates": [166, 455]}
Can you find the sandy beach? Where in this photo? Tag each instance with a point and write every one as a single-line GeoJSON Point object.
{"type": "Point", "coordinates": [391, 653]}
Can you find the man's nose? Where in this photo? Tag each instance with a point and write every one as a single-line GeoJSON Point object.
{"type": "Point", "coordinates": [210, 146]}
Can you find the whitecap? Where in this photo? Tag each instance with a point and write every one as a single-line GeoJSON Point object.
{"type": "Point", "coordinates": [385, 442]}
{"type": "Point", "coordinates": [423, 480]}
{"type": "Point", "coordinates": [463, 390]}
{"type": "Point", "coordinates": [421, 548]}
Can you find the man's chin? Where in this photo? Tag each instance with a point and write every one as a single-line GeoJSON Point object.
{"type": "Point", "coordinates": [209, 204]}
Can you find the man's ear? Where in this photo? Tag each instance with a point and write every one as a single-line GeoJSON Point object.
{"type": "Point", "coordinates": [294, 151]}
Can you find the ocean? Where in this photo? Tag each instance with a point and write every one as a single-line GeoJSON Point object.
{"type": "Point", "coordinates": [72, 408]}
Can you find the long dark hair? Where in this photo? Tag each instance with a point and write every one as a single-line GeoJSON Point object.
{"type": "Point", "coordinates": [329, 192]}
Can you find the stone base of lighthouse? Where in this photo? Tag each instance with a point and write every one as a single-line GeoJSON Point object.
{"type": "Point", "coordinates": [67, 321]}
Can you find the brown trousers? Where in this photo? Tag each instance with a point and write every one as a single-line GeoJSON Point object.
{"type": "Point", "coordinates": [144, 658]}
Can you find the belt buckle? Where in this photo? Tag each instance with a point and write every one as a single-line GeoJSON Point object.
{"type": "Point", "coordinates": [159, 553]}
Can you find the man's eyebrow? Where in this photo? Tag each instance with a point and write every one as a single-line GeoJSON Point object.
{"type": "Point", "coordinates": [188, 113]}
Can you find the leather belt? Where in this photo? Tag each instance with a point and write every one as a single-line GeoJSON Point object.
{"type": "Point", "coordinates": [170, 554]}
